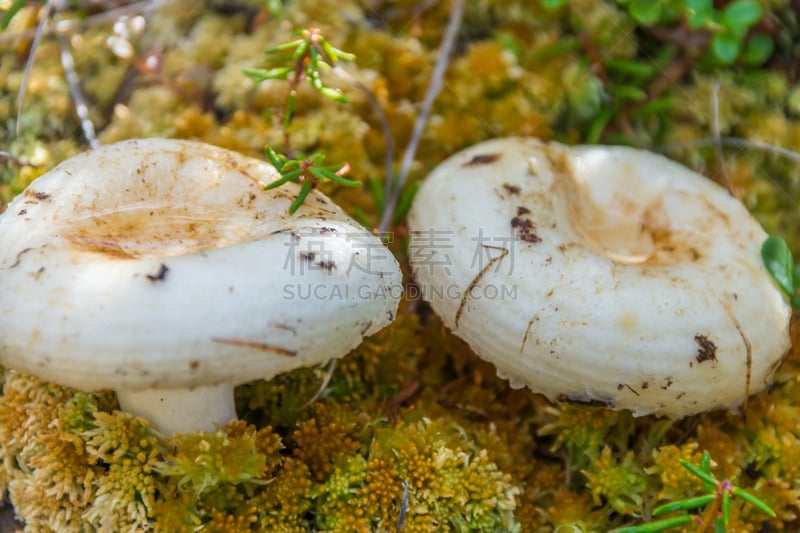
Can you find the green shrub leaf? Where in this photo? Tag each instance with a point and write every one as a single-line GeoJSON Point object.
{"type": "Point", "coordinates": [779, 262]}
{"type": "Point", "coordinates": [741, 14]}
{"type": "Point", "coordinates": [645, 11]}
{"type": "Point", "coordinates": [726, 48]}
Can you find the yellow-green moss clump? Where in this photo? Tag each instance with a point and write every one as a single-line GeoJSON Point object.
{"type": "Point", "coordinates": [71, 465]}
{"type": "Point", "coordinates": [412, 429]}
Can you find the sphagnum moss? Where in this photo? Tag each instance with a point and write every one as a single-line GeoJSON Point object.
{"type": "Point", "coordinates": [550, 73]}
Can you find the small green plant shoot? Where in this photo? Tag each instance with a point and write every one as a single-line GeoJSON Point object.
{"type": "Point", "coordinates": [780, 263]}
{"type": "Point", "coordinates": [298, 60]}
{"type": "Point", "coordinates": [718, 500]}
{"type": "Point", "coordinates": [308, 171]}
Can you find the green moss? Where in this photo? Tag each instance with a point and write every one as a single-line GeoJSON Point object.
{"type": "Point", "coordinates": [412, 405]}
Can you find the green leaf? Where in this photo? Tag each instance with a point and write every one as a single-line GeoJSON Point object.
{"type": "Point", "coordinates": [317, 157]}
{"type": "Point", "coordinates": [726, 508]}
{"type": "Point", "coordinates": [699, 12]}
{"type": "Point", "coordinates": [628, 93]}
{"type": "Point", "coordinates": [705, 462]}
{"type": "Point", "coordinates": [634, 68]}
{"type": "Point", "coordinates": [779, 262]}
{"type": "Point", "coordinates": [376, 188]}
{"type": "Point", "coordinates": [285, 46]}
{"type": "Point", "coordinates": [280, 73]}
{"type": "Point", "coordinates": [645, 12]}
{"type": "Point", "coordinates": [301, 197]}
{"type": "Point", "coordinates": [598, 125]}
{"type": "Point", "coordinates": [705, 466]}
{"type": "Point", "coordinates": [725, 47]}
{"type": "Point", "coordinates": [323, 175]}
{"type": "Point", "coordinates": [758, 49]}
{"type": "Point", "coordinates": [333, 94]}
{"type": "Point", "coordinates": [755, 502]}
{"type": "Point", "coordinates": [290, 104]}
{"type": "Point", "coordinates": [654, 527]}
{"type": "Point", "coordinates": [559, 47]}
{"type": "Point", "coordinates": [344, 181]}
{"type": "Point", "coordinates": [684, 505]}
{"type": "Point", "coordinates": [655, 106]}
{"type": "Point", "coordinates": [275, 7]}
{"type": "Point", "coordinates": [276, 159]}
{"type": "Point", "coordinates": [741, 14]}
{"type": "Point", "coordinates": [8, 15]}
{"type": "Point", "coordinates": [361, 216]}
{"type": "Point", "coordinates": [312, 68]}
{"type": "Point", "coordinates": [301, 50]}
{"type": "Point", "coordinates": [705, 476]}
{"type": "Point", "coordinates": [553, 4]}
{"type": "Point", "coordinates": [334, 54]}
{"type": "Point", "coordinates": [289, 176]}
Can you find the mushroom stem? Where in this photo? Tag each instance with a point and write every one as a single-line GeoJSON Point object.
{"type": "Point", "coordinates": [172, 411]}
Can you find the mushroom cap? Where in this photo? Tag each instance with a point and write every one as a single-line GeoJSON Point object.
{"type": "Point", "coordinates": [164, 263]}
{"type": "Point", "coordinates": [599, 274]}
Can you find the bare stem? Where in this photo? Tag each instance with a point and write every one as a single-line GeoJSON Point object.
{"type": "Point", "coordinates": [736, 142]}
{"type": "Point", "coordinates": [81, 109]}
{"type": "Point", "coordinates": [393, 186]}
{"type": "Point", "coordinates": [37, 37]}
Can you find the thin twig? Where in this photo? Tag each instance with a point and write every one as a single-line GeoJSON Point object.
{"type": "Point", "coordinates": [736, 142]}
{"type": "Point", "coordinates": [394, 187]}
{"type": "Point", "coordinates": [324, 384]}
{"type": "Point", "coordinates": [37, 37]}
{"type": "Point", "coordinates": [393, 405]}
{"type": "Point", "coordinates": [716, 133]}
{"type": "Point", "coordinates": [81, 109]}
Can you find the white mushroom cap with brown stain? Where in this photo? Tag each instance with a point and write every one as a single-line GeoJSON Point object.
{"type": "Point", "coordinates": [163, 270]}
{"type": "Point", "coordinates": [599, 274]}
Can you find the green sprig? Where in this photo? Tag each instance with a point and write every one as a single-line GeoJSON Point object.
{"type": "Point", "coordinates": [302, 59]}
{"type": "Point", "coordinates": [717, 491]}
{"type": "Point", "coordinates": [308, 171]}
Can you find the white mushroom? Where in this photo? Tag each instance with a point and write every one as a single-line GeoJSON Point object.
{"type": "Point", "coordinates": [599, 274]}
{"type": "Point", "coordinates": [163, 270]}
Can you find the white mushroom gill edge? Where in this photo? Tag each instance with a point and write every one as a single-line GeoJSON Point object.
{"type": "Point", "coordinates": [163, 270]}
{"type": "Point", "coordinates": [599, 274]}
